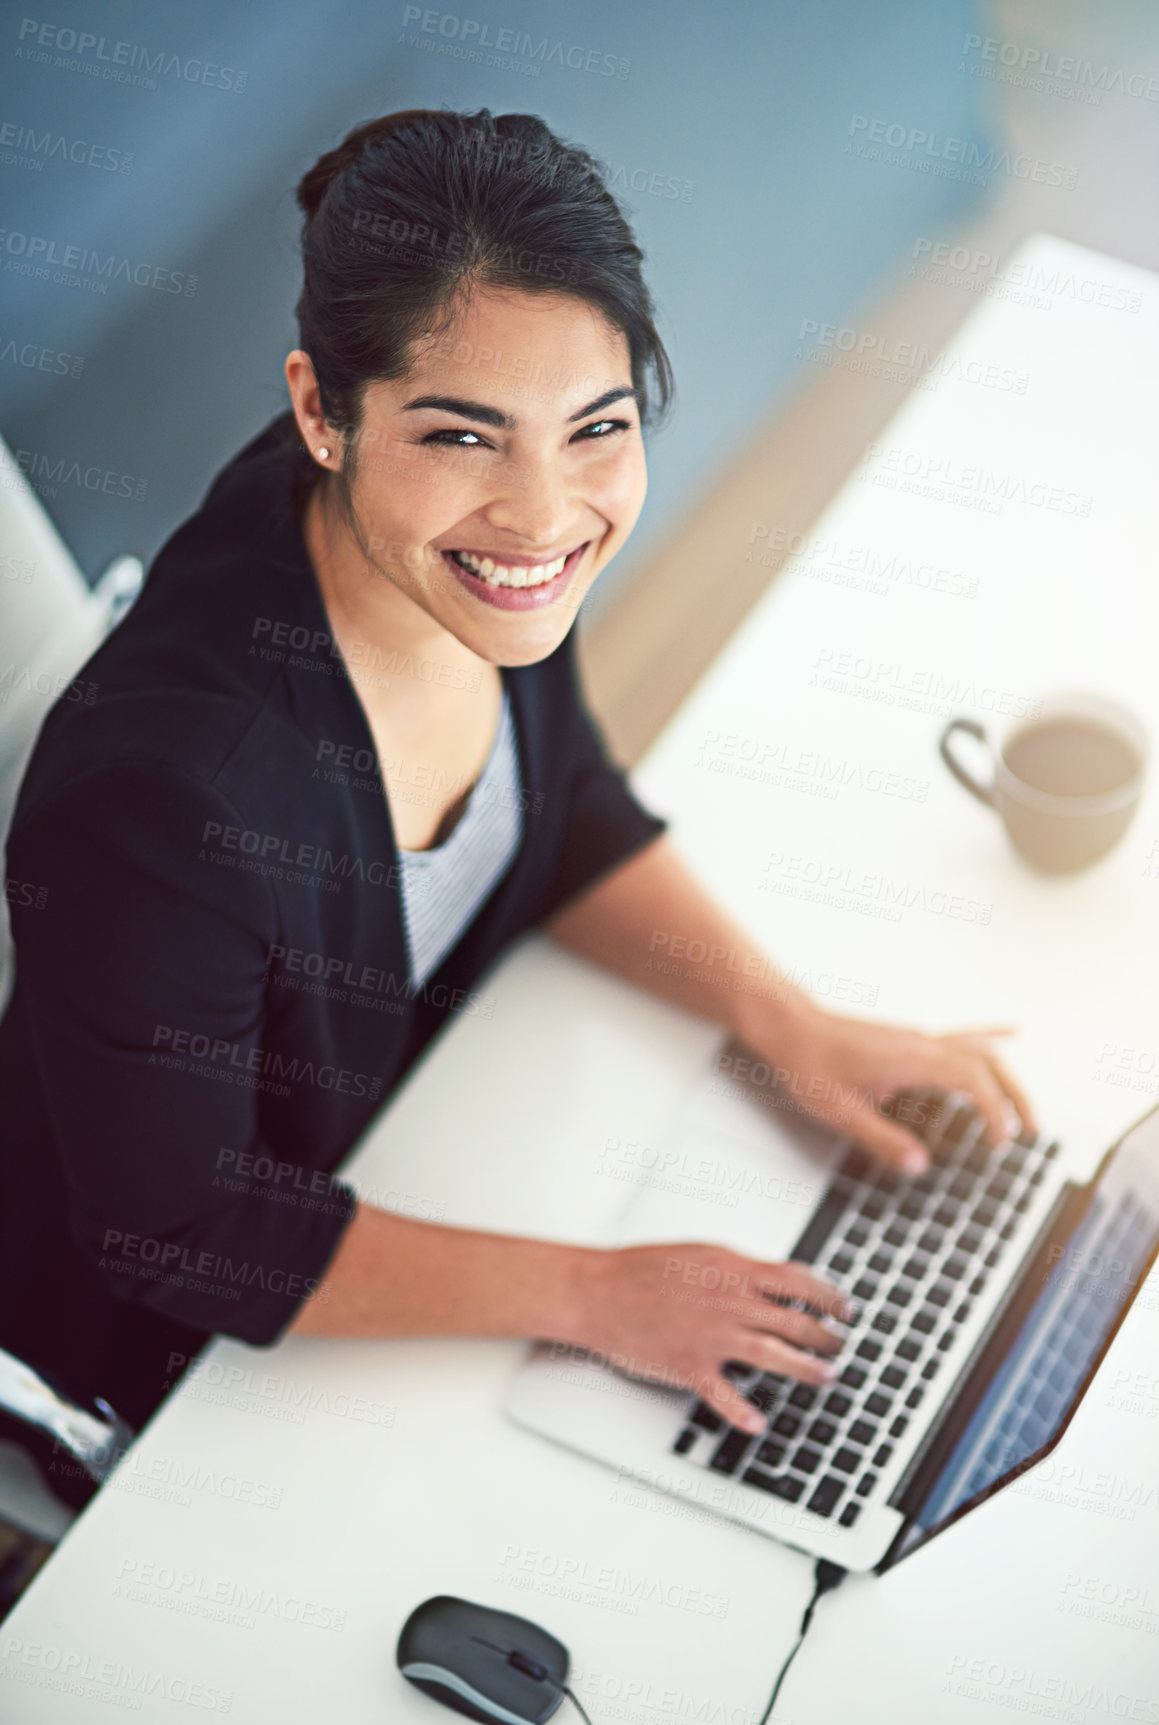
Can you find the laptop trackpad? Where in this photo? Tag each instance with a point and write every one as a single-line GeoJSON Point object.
{"type": "Point", "coordinates": [738, 1168]}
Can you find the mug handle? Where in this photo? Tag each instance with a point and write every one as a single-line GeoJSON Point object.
{"type": "Point", "coordinates": [984, 793]}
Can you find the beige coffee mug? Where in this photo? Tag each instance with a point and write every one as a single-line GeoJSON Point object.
{"type": "Point", "coordinates": [1065, 783]}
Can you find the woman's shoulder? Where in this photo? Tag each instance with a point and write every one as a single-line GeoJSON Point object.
{"type": "Point", "coordinates": [202, 655]}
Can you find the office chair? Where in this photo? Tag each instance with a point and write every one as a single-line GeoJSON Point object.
{"type": "Point", "coordinates": [51, 622]}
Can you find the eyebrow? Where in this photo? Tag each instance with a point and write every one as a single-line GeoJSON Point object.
{"type": "Point", "coordinates": [505, 421]}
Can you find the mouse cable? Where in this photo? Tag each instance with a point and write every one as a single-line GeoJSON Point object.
{"type": "Point", "coordinates": [827, 1576]}
{"type": "Point", "coordinates": [575, 1701]}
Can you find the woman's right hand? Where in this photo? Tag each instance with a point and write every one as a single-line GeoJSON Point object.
{"type": "Point", "coordinates": [677, 1313]}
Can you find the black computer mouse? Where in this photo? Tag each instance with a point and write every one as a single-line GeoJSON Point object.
{"type": "Point", "coordinates": [487, 1664]}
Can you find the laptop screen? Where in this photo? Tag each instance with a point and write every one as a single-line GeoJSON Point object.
{"type": "Point", "coordinates": [1060, 1320]}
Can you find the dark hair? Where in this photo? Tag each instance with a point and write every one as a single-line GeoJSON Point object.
{"type": "Point", "coordinates": [412, 210]}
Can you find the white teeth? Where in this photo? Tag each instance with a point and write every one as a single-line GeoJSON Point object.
{"type": "Point", "coordinates": [500, 575]}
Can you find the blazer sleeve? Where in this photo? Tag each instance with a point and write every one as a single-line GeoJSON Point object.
{"type": "Point", "coordinates": [139, 940]}
{"type": "Point", "coordinates": [604, 821]}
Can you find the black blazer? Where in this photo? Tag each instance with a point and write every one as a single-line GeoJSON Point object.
{"type": "Point", "coordinates": [211, 1000]}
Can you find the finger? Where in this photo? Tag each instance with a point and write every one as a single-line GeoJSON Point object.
{"type": "Point", "coordinates": [901, 1149]}
{"type": "Point", "coordinates": [973, 1074]}
{"type": "Point", "coordinates": [772, 1354]}
{"type": "Point", "coordinates": [798, 1281]}
{"type": "Point", "coordinates": [988, 1030]}
{"type": "Point", "coordinates": [727, 1400]}
{"type": "Point", "coordinates": [792, 1326]}
{"type": "Point", "coordinates": [1014, 1091]}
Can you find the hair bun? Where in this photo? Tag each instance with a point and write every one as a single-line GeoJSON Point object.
{"type": "Point", "coordinates": [314, 184]}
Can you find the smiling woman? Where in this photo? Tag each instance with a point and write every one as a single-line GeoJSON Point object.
{"type": "Point", "coordinates": [340, 761]}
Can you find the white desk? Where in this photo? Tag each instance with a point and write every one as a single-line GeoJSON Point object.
{"type": "Point", "coordinates": [264, 1540]}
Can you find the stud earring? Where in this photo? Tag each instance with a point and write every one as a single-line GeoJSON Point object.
{"type": "Point", "coordinates": [323, 455]}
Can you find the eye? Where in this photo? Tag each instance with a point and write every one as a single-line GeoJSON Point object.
{"type": "Point", "coordinates": [612, 425]}
{"type": "Point", "coordinates": [450, 438]}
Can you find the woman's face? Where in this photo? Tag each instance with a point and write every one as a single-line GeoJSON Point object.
{"type": "Point", "coordinates": [495, 481]}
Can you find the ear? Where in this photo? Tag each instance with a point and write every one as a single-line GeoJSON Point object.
{"type": "Point", "coordinates": [306, 400]}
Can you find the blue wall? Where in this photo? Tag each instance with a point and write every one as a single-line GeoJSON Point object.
{"type": "Point", "coordinates": [743, 106]}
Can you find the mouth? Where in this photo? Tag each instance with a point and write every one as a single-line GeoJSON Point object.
{"type": "Point", "coordinates": [511, 586]}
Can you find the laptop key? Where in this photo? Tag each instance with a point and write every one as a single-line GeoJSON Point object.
{"type": "Point", "coordinates": [899, 1425]}
{"type": "Point", "coordinates": [969, 1240]}
{"type": "Point", "coordinates": [826, 1496]}
{"type": "Point", "coordinates": [787, 1425]}
{"type": "Point", "coordinates": [877, 1404]}
{"type": "Point", "coordinates": [846, 1460]}
{"type": "Point", "coordinates": [806, 1460]}
{"type": "Point", "coordinates": [857, 1235]}
{"type": "Point", "coordinates": [885, 1322]}
{"type": "Point", "coordinates": [849, 1514]}
{"type": "Point", "coordinates": [916, 1266]}
{"type": "Point", "coordinates": [893, 1377]}
{"type": "Point", "coordinates": [899, 1295]}
{"type": "Point", "coordinates": [840, 1263]}
{"type": "Point", "coordinates": [884, 1452]}
{"type": "Point", "coordinates": [915, 1396]}
{"type": "Point", "coordinates": [864, 1288]}
{"type": "Point", "coordinates": [727, 1456]}
{"type": "Point", "coordinates": [822, 1432]}
{"type": "Point", "coordinates": [911, 1206]}
{"type": "Point", "coordinates": [955, 1268]}
{"type": "Point", "coordinates": [853, 1376]}
{"type": "Point", "coordinates": [868, 1349]}
{"type": "Point", "coordinates": [908, 1349]}
{"type": "Point", "coordinates": [837, 1403]}
{"type": "Point", "coordinates": [685, 1441]}
{"type": "Point", "coordinates": [946, 1213]}
{"type": "Point", "coordinates": [786, 1486]}
{"type": "Point", "coordinates": [857, 1164]}
{"type": "Point", "coordinates": [822, 1223]}
{"type": "Point", "coordinates": [931, 1240]}
{"type": "Point", "coordinates": [770, 1454]}
{"type": "Point", "coordinates": [706, 1419]}
{"type": "Point", "coordinates": [939, 1294]}
{"type": "Point", "coordinates": [931, 1367]}
{"type": "Point", "coordinates": [866, 1484]}
{"type": "Point", "coordinates": [984, 1214]}
{"type": "Point", "coordinates": [925, 1321]}
{"type": "Point", "coordinates": [896, 1234]}
{"type": "Point", "coordinates": [763, 1481]}
{"type": "Point", "coordinates": [803, 1396]}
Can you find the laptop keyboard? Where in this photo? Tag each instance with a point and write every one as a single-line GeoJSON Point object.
{"type": "Point", "coordinates": [915, 1253]}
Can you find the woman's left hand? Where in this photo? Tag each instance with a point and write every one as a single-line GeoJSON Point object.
{"type": "Point", "coordinates": [840, 1069]}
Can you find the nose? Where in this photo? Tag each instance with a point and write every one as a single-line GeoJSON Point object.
{"type": "Point", "coordinates": [536, 504]}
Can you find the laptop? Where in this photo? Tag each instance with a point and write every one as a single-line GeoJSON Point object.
{"type": "Point", "coordinates": [987, 1291]}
